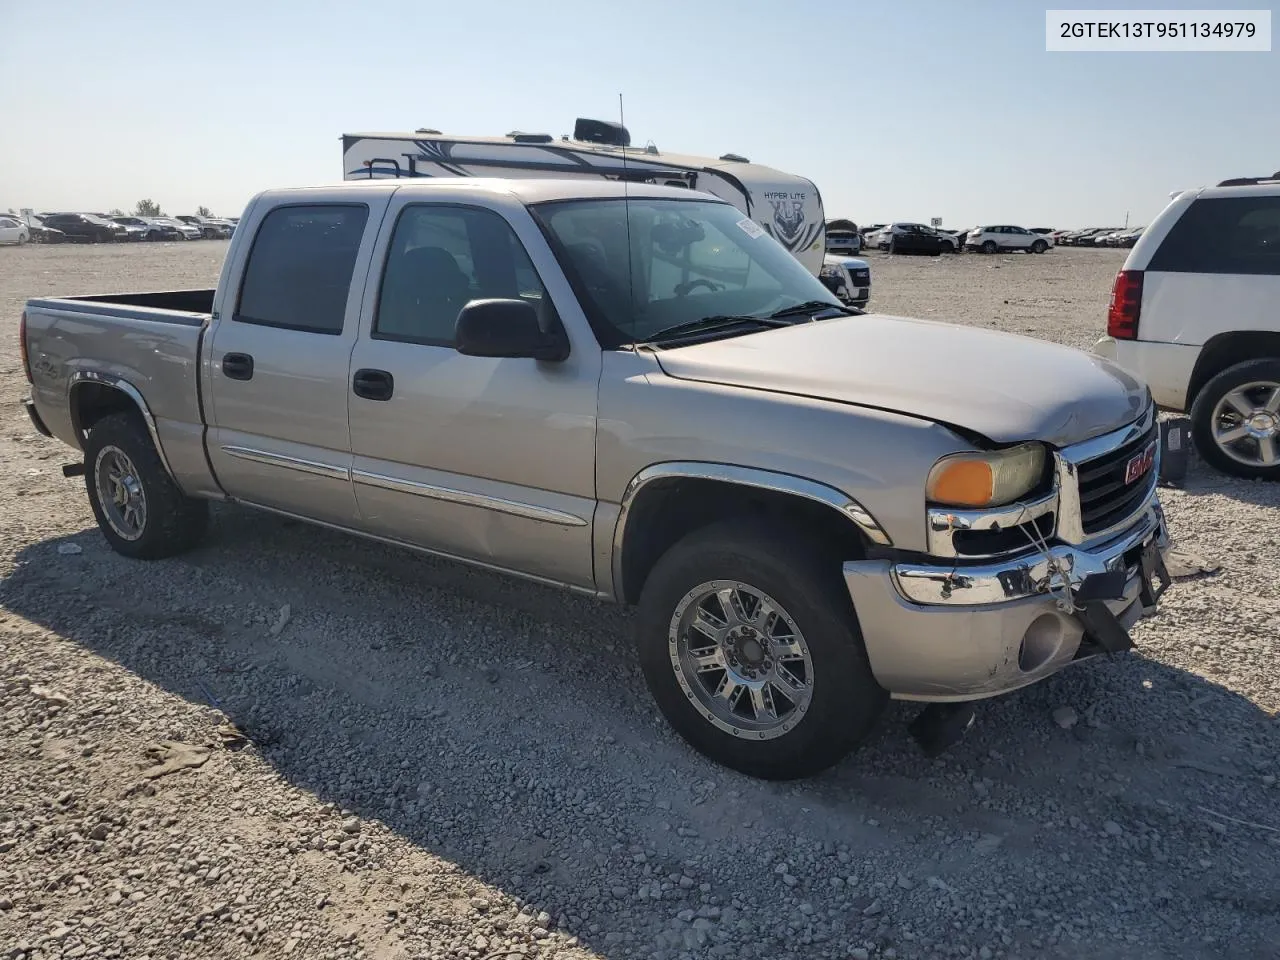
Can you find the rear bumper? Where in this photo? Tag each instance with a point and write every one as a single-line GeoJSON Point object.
{"type": "Point", "coordinates": [954, 633]}
{"type": "Point", "coordinates": [34, 414]}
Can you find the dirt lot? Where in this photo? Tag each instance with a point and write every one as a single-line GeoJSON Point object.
{"type": "Point", "coordinates": [443, 763]}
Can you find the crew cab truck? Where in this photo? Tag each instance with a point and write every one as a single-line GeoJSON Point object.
{"type": "Point", "coordinates": [633, 392]}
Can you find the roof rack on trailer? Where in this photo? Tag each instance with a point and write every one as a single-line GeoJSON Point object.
{"type": "Point", "coordinates": [1250, 181]}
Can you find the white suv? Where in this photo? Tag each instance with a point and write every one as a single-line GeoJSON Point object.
{"type": "Point", "coordinates": [992, 239]}
{"type": "Point", "coordinates": [1195, 312]}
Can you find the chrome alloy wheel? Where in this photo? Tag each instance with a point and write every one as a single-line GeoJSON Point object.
{"type": "Point", "coordinates": [740, 659]}
{"type": "Point", "coordinates": [124, 504]}
{"type": "Point", "coordinates": [1246, 424]}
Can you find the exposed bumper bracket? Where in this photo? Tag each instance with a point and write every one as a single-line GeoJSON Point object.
{"type": "Point", "coordinates": [940, 725]}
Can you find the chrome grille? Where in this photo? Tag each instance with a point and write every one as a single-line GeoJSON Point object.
{"type": "Point", "coordinates": [1105, 498]}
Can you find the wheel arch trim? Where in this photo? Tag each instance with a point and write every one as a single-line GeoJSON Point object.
{"type": "Point", "coordinates": [121, 385]}
{"type": "Point", "coordinates": [749, 477]}
{"type": "Point", "coordinates": [1223, 351]}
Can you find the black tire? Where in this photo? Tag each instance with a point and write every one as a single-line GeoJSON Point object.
{"type": "Point", "coordinates": [1206, 402]}
{"type": "Point", "coordinates": [989, 246]}
{"type": "Point", "coordinates": [172, 523]}
{"type": "Point", "coordinates": [845, 701]}
{"type": "Point", "coordinates": [1039, 246]}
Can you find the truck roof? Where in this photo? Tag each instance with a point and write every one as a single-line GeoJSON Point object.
{"type": "Point", "coordinates": [526, 190]}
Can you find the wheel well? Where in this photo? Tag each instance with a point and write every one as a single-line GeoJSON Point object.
{"type": "Point", "coordinates": [1228, 349]}
{"type": "Point", "coordinates": [90, 402]}
{"type": "Point", "coordinates": [666, 510]}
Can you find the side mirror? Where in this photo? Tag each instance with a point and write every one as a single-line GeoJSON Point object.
{"type": "Point", "coordinates": [506, 328]}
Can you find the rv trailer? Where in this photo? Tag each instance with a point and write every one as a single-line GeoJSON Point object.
{"type": "Point", "coordinates": [788, 207]}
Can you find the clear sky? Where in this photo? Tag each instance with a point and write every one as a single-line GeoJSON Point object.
{"type": "Point", "coordinates": [898, 111]}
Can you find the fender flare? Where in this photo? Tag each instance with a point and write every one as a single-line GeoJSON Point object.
{"type": "Point", "coordinates": [123, 386]}
{"type": "Point", "coordinates": [753, 477]}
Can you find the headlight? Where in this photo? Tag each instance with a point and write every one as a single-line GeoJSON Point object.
{"type": "Point", "coordinates": [986, 479]}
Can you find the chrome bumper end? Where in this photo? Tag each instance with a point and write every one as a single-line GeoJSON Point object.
{"type": "Point", "coordinates": [963, 632]}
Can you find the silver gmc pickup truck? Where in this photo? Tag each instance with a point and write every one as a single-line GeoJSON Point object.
{"type": "Point", "coordinates": [631, 391]}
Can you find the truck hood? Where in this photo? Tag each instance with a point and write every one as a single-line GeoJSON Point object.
{"type": "Point", "coordinates": [1005, 387]}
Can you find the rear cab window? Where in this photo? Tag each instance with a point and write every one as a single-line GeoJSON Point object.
{"type": "Point", "coordinates": [298, 275]}
{"type": "Point", "coordinates": [1232, 235]}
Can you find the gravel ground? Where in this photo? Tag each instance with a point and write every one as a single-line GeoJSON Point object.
{"type": "Point", "coordinates": [293, 743]}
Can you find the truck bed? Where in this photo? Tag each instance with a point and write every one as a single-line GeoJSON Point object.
{"type": "Point", "coordinates": [184, 302]}
{"type": "Point", "coordinates": [145, 343]}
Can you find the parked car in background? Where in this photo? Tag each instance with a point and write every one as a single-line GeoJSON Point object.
{"type": "Point", "coordinates": [148, 228]}
{"type": "Point", "coordinates": [86, 227]}
{"type": "Point", "coordinates": [135, 229]}
{"type": "Point", "coordinates": [871, 235]}
{"type": "Point", "coordinates": [209, 228]}
{"type": "Point", "coordinates": [42, 232]}
{"type": "Point", "coordinates": [1089, 238]}
{"type": "Point", "coordinates": [1193, 313]}
{"type": "Point", "coordinates": [849, 278]}
{"type": "Point", "coordinates": [957, 235]}
{"type": "Point", "coordinates": [843, 238]}
{"type": "Point", "coordinates": [1043, 231]}
{"type": "Point", "coordinates": [13, 230]}
{"type": "Point", "coordinates": [997, 238]}
{"type": "Point", "coordinates": [915, 238]}
{"type": "Point", "coordinates": [1118, 238]}
{"type": "Point", "coordinates": [182, 230]}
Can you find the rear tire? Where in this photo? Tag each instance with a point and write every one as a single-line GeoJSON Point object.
{"type": "Point", "coordinates": [140, 510]}
{"type": "Point", "coordinates": [989, 246]}
{"type": "Point", "coordinates": [813, 633]}
{"type": "Point", "coordinates": [1235, 420]}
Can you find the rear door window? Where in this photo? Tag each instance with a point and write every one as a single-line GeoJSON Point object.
{"type": "Point", "coordinates": [299, 270]}
{"type": "Point", "coordinates": [1238, 235]}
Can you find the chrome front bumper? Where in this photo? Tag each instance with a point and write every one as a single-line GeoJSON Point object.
{"type": "Point", "coordinates": [955, 631]}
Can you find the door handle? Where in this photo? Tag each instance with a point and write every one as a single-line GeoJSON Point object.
{"type": "Point", "coordinates": [373, 384]}
{"type": "Point", "coordinates": [237, 366]}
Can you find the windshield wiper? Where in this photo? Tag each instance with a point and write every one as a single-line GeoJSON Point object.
{"type": "Point", "coordinates": [712, 323]}
{"type": "Point", "coordinates": [811, 306]}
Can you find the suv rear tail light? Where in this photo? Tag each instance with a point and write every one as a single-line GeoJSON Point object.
{"type": "Point", "coordinates": [22, 345]}
{"type": "Point", "coordinates": [1126, 305]}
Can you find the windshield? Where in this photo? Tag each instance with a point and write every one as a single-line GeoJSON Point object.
{"type": "Point", "coordinates": [647, 265]}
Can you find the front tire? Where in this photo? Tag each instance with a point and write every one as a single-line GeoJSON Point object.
{"type": "Point", "coordinates": [1235, 420]}
{"type": "Point", "coordinates": [1039, 246]}
{"type": "Point", "coordinates": [140, 510]}
{"type": "Point", "coordinates": [751, 648]}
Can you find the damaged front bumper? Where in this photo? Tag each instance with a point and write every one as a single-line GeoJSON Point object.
{"type": "Point", "coordinates": [954, 632]}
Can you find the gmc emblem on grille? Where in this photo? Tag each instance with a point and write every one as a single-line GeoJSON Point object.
{"type": "Point", "coordinates": [1140, 464]}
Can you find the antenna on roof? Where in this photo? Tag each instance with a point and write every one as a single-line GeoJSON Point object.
{"type": "Point", "coordinates": [626, 212]}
